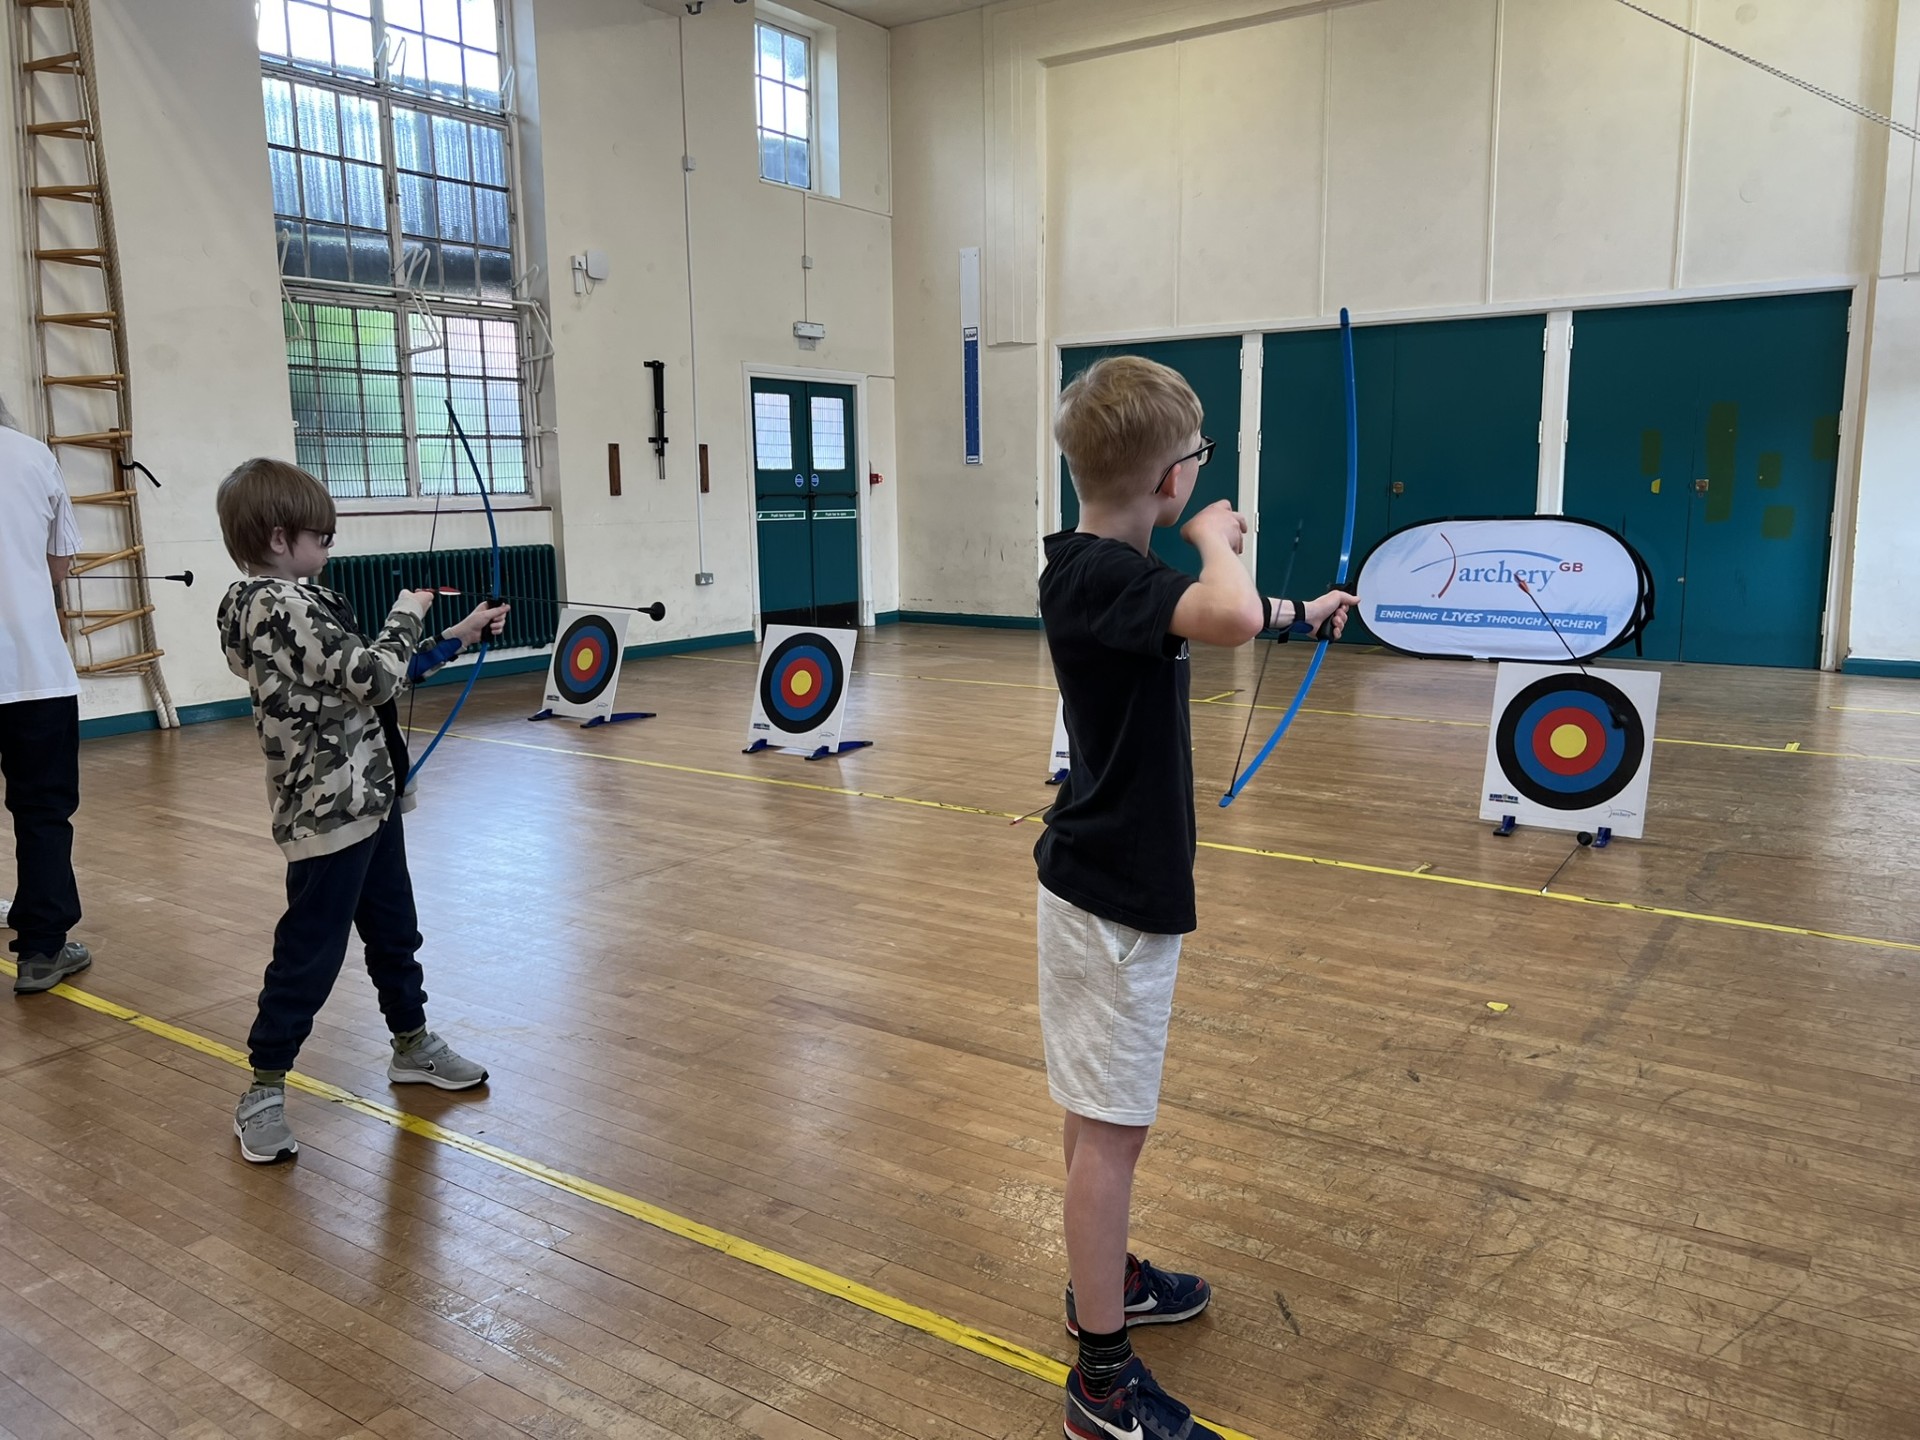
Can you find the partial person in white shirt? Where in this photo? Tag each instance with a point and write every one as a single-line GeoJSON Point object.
{"type": "Point", "coordinates": [39, 710]}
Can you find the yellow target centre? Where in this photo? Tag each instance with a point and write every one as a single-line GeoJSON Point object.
{"type": "Point", "coordinates": [1569, 741]}
{"type": "Point", "coordinates": [802, 682]}
{"type": "Point", "coordinates": [583, 662]}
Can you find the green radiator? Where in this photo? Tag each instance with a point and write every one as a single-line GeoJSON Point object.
{"type": "Point", "coordinates": [526, 574]}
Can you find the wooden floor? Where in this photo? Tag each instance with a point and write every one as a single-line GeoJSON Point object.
{"type": "Point", "coordinates": [1672, 1191]}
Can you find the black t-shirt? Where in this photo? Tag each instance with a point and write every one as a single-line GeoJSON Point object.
{"type": "Point", "coordinates": [1120, 836]}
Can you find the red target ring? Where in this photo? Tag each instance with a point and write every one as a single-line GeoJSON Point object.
{"type": "Point", "coordinates": [1569, 740]}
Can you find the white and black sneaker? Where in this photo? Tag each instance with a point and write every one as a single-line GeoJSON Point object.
{"type": "Point", "coordinates": [431, 1061]}
{"type": "Point", "coordinates": [1154, 1296]}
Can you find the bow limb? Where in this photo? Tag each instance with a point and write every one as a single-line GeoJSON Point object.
{"type": "Point", "coordinates": [486, 641]}
{"type": "Point", "coordinates": [1340, 574]}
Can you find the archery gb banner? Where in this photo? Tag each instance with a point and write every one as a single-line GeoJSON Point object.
{"type": "Point", "coordinates": [1467, 589]}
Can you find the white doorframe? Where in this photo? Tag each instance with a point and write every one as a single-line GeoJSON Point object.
{"type": "Point", "coordinates": [862, 467]}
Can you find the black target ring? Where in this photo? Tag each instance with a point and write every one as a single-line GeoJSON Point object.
{"type": "Point", "coordinates": [586, 660]}
{"type": "Point", "coordinates": [1570, 742]}
{"type": "Point", "coordinates": [802, 682]}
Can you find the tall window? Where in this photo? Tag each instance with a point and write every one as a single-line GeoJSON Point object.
{"type": "Point", "coordinates": [390, 142]}
{"type": "Point", "coordinates": [784, 102]}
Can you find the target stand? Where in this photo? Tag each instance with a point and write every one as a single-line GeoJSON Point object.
{"type": "Point", "coordinates": [1061, 758]}
{"type": "Point", "coordinates": [800, 697]}
{"type": "Point", "coordinates": [585, 673]}
{"type": "Point", "coordinates": [1570, 749]}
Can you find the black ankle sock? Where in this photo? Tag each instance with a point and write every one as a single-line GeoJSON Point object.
{"type": "Point", "coordinates": [1101, 1358]}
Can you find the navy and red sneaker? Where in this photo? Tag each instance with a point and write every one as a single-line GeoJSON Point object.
{"type": "Point", "coordinates": [1135, 1409]}
{"type": "Point", "coordinates": [1153, 1296]}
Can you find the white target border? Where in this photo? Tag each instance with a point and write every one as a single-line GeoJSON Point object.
{"type": "Point", "coordinates": [832, 723]}
{"type": "Point", "coordinates": [1625, 814]}
{"type": "Point", "coordinates": [601, 706]}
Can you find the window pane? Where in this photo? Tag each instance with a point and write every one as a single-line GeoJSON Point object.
{"type": "Point", "coordinates": [327, 253]}
{"type": "Point", "coordinates": [829, 416]}
{"type": "Point", "coordinates": [443, 18]}
{"type": "Point", "coordinates": [461, 270]}
{"type": "Point", "coordinates": [273, 28]}
{"type": "Point", "coordinates": [796, 60]}
{"type": "Point", "coordinates": [412, 140]}
{"type": "Point", "coordinates": [483, 78]}
{"type": "Point", "coordinates": [360, 128]}
{"type": "Point", "coordinates": [446, 78]}
{"type": "Point", "coordinates": [309, 35]}
{"type": "Point", "coordinates": [321, 190]}
{"type": "Point", "coordinates": [489, 155]}
{"type": "Point", "coordinates": [773, 163]}
{"type": "Point", "coordinates": [377, 339]}
{"type": "Point", "coordinates": [417, 213]}
{"type": "Point", "coordinates": [490, 217]}
{"type": "Point", "coordinates": [286, 182]}
{"type": "Point", "coordinates": [294, 237]}
{"type": "Point", "coordinates": [372, 256]}
{"type": "Point", "coordinates": [450, 149]}
{"type": "Point", "coordinates": [404, 14]}
{"type": "Point", "coordinates": [352, 45]}
{"type": "Point", "coordinates": [771, 64]}
{"type": "Point", "coordinates": [277, 95]}
{"type": "Point", "coordinates": [797, 172]}
{"type": "Point", "coordinates": [797, 104]}
{"type": "Point", "coordinates": [456, 210]}
{"type": "Point", "coordinates": [496, 275]}
{"type": "Point", "coordinates": [773, 105]}
{"type": "Point", "coordinates": [319, 119]}
{"type": "Point", "coordinates": [366, 197]}
{"type": "Point", "coordinates": [772, 431]}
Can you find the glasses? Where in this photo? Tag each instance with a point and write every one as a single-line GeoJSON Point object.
{"type": "Point", "coordinates": [1203, 455]}
{"type": "Point", "coordinates": [325, 537]}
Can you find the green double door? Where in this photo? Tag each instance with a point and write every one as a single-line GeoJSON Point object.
{"type": "Point", "coordinates": [1212, 367]}
{"type": "Point", "coordinates": [806, 502]}
{"type": "Point", "coordinates": [1449, 420]}
{"type": "Point", "coordinates": [1708, 433]}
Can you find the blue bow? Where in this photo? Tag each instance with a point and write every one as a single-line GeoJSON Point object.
{"type": "Point", "coordinates": [1340, 575]}
{"type": "Point", "coordinates": [486, 640]}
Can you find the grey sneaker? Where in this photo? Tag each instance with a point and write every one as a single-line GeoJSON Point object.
{"type": "Point", "coordinates": [433, 1062]}
{"type": "Point", "coordinates": [43, 972]}
{"type": "Point", "coordinates": [260, 1123]}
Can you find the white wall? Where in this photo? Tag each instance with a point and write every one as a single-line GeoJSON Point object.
{"type": "Point", "coordinates": [186, 151]}
{"type": "Point", "coordinates": [1148, 169]}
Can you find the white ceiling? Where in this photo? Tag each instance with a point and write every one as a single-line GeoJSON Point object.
{"type": "Point", "coordinates": [905, 12]}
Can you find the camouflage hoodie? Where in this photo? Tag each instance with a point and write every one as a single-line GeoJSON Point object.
{"type": "Point", "coordinates": [316, 685]}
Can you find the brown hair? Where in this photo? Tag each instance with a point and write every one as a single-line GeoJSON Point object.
{"type": "Point", "coordinates": [263, 495]}
{"type": "Point", "coordinates": [1123, 417]}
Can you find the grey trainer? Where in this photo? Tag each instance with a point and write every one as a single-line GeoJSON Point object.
{"type": "Point", "coordinates": [43, 972]}
{"type": "Point", "coordinates": [260, 1122]}
{"type": "Point", "coordinates": [433, 1062]}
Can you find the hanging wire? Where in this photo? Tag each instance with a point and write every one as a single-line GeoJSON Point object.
{"type": "Point", "coordinates": [1907, 132]}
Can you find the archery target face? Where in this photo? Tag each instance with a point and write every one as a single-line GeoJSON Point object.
{"type": "Point", "coordinates": [586, 663]}
{"type": "Point", "coordinates": [800, 700]}
{"type": "Point", "coordinates": [1570, 751]}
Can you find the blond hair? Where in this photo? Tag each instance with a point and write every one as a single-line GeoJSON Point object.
{"type": "Point", "coordinates": [262, 496]}
{"type": "Point", "coordinates": [1126, 416]}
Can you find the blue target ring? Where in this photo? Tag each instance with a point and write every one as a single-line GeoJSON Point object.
{"type": "Point", "coordinates": [802, 681]}
{"type": "Point", "coordinates": [1570, 742]}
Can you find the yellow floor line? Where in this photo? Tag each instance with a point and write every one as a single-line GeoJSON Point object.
{"type": "Point", "coordinates": [1226, 701]}
{"type": "Point", "coordinates": [1870, 710]}
{"type": "Point", "coordinates": [953, 1332]}
{"type": "Point", "coordinates": [1701, 917]}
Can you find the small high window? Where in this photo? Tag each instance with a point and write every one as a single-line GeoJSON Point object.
{"type": "Point", "coordinates": [783, 98]}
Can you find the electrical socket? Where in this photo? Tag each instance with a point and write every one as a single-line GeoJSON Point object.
{"type": "Point", "coordinates": [703, 577]}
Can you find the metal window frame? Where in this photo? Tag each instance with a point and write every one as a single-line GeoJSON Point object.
{"type": "Point", "coordinates": [396, 296]}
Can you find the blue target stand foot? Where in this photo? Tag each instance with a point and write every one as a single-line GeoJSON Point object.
{"type": "Point", "coordinates": [1505, 827]}
{"type": "Point", "coordinates": [1603, 837]}
{"type": "Point", "coordinates": [1057, 778]}
{"type": "Point", "coordinates": [613, 719]}
{"type": "Point", "coordinates": [821, 754]}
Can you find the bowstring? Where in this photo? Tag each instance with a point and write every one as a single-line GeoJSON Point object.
{"type": "Point", "coordinates": [1266, 654]}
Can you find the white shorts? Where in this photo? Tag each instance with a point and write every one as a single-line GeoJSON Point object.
{"type": "Point", "coordinates": [1106, 995]}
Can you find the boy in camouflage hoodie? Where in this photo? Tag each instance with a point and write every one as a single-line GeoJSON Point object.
{"type": "Point", "coordinates": [323, 702]}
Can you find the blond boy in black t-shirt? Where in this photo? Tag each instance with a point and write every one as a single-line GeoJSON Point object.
{"type": "Point", "coordinates": [1116, 861]}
